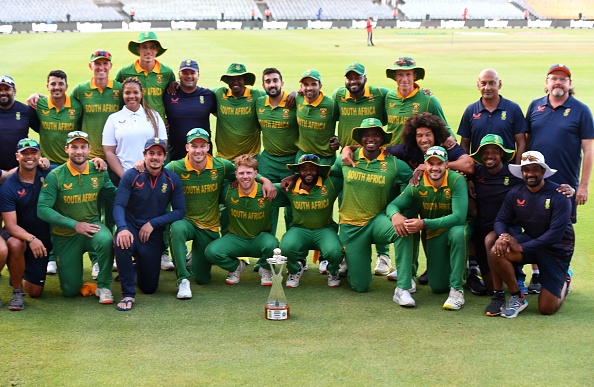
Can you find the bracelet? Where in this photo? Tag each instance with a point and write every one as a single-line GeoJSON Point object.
{"type": "Point", "coordinates": [31, 239]}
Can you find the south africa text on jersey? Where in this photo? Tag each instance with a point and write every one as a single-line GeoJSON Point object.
{"type": "Point", "coordinates": [315, 205]}
{"type": "Point", "coordinates": [367, 177]}
{"type": "Point", "coordinates": [81, 198]}
{"type": "Point", "coordinates": [236, 111]}
{"type": "Point", "coordinates": [247, 214]}
{"type": "Point", "coordinates": [196, 189]}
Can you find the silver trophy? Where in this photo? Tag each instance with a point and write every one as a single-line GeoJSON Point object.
{"type": "Point", "coordinates": [277, 307]}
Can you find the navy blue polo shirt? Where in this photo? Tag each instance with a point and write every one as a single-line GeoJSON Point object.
{"type": "Point", "coordinates": [22, 198]}
{"type": "Point", "coordinates": [414, 157]}
{"type": "Point", "coordinates": [558, 134]}
{"type": "Point", "coordinates": [187, 111]}
{"type": "Point", "coordinates": [14, 125]}
{"type": "Point", "coordinates": [506, 120]}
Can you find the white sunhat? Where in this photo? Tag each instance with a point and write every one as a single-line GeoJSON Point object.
{"type": "Point", "coordinates": [531, 157]}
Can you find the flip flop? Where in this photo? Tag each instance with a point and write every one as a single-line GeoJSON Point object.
{"type": "Point", "coordinates": [129, 305]}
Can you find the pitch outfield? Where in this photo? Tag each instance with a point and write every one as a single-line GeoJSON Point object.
{"type": "Point", "coordinates": [335, 336]}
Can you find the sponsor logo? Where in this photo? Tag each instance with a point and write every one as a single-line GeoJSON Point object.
{"type": "Point", "coordinates": [521, 203]}
{"type": "Point", "coordinates": [22, 193]}
{"type": "Point", "coordinates": [185, 176]}
{"type": "Point", "coordinates": [476, 116]}
{"type": "Point", "coordinates": [139, 185]}
{"type": "Point", "coordinates": [67, 187]}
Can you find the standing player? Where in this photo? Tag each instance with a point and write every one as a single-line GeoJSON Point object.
{"type": "Point", "coordinates": [68, 202]}
{"type": "Point", "coordinates": [369, 28]}
{"type": "Point", "coordinates": [141, 214]}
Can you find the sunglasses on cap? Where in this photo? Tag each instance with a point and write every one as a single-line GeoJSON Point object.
{"type": "Point", "coordinates": [7, 80]}
{"type": "Point", "coordinates": [78, 134]}
{"type": "Point", "coordinates": [529, 158]}
{"type": "Point", "coordinates": [27, 143]}
{"type": "Point", "coordinates": [405, 62]}
{"type": "Point", "coordinates": [435, 152]}
{"type": "Point", "coordinates": [310, 158]}
{"type": "Point", "coordinates": [197, 131]}
{"type": "Point", "coordinates": [101, 53]}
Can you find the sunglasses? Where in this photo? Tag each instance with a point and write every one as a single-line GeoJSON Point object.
{"type": "Point", "coordinates": [197, 131]}
{"type": "Point", "coordinates": [559, 79]}
{"type": "Point", "coordinates": [529, 158]}
{"type": "Point", "coordinates": [27, 143]}
{"type": "Point", "coordinates": [405, 62]}
{"type": "Point", "coordinates": [101, 53]}
{"type": "Point", "coordinates": [7, 80]}
{"type": "Point", "coordinates": [78, 134]}
{"type": "Point", "coordinates": [435, 152]}
{"type": "Point", "coordinates": [310, 158]}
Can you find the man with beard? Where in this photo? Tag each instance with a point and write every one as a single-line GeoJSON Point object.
{"type": "Point", "coordinates": [189, 107]}
{"type": "Point", "coordinates": [249, 226]}
{"type": "Point", "coordinates": [15, 120]}
{"type": "Point", "coordinates": [141, 214]}
{"type": "Point", "coordinates": [441, 200]}
{"type": "Point", "coordinates": [547, 238]}
{"type": "Point", "coordinates": [68, 202]}
{"type": "Point", "coordinates": [312, 199]}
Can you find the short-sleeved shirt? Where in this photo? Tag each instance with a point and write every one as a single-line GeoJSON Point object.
{"type": "Point", "coordinates": [317, 124]}
{"type": "Point", "coordinates": [238, 131]}
{"type": "Point", "coordinates": [369, 186]}
{"type": "Point", "coordinates": [68, 196]}
{"type": "Point", "coordinates": [154, 82]}
{"type": "Point", "coordinates": [249, 214]}
{"type": "Point", "coordinates": [558, 134]}
{"type": "Point", "coordinates": [14, 125]}
{"type": "Point", "coordinates": [186, 111]}
{"type": "Point", "coordinates": [353, 111]}
{"type": "Point", "coordinates": [97, 105]}
{"type": "Point", "coordinates": [55, 125]}
{"type": "Point", "coordinates": [279, 126]}
{"type": "Point", "coordinates": [506, 120]}
{"type": "Point", "coordinates": [414, 157]}
{"type": "Point", "coordinates": [202, 189]}
{"type": "Point", "coordinates": [399, 109]}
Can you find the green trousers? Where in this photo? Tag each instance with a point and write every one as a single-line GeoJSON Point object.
{"type": "Point", "coordinates": [297, 242]}
{"type": "Point", "coordinates": [224, 251]}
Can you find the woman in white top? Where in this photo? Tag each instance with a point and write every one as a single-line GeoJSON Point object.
{"type": "Point", "coordinates": [126, 131]}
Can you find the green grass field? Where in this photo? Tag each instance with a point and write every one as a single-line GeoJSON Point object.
{"type": "Point", "coordinates": [334, 336]}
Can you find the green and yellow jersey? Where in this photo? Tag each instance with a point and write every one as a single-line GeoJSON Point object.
{"type": "Point", "coordinates": [279, 126]}
{"type": "Point", "coordinates": [55, 125]}
{"type": "Point", "coordinates": [317, 123]}
{"type": "Point", "coordinates": [249, 214]}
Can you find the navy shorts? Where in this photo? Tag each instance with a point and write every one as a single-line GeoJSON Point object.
{"type": "Point", "coordinates": [553, 267]}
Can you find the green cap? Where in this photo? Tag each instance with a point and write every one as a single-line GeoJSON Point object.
{"type": "Point", "coordinates": [405, 63]}
{"type": "Point", "coordinates": [237, 69]}
{"type": "Point", "coordinates": [493, 139]}
{"type": "Point", "coordinates": [356, 67]}
{"type": "Point", "coordinates": [145, 37]}
{"type": "Point", "coordinates": [312, 159]}
{"type": "Point", "coordinates": [311, 73]}
{"type": "Point", "coordinates": [197, 133]}
{"type": "Point", "coordinates": [76, 134]}
{"type": "Point", "coordinates": [367, 123]}
{"type": "Point", "coordinates": [436, 151]}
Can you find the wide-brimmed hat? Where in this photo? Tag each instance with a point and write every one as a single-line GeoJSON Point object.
{"type": "Point", "coordinates": [145, 37]}
{"type": "Point", "coordinates": [312, 159]}
{"type": "Point", "coordinates": [437, 152]}
{"type": "Point", "coordinates": [531, 157]}
{"type": "Point", "coordinates": [405, 63]}
{"type": "Point", "coordinates": [370, 123]}
{"type": "Point", "coordinates": [237, 69]}
{"type": "Point", "coordinates": [493, 139]}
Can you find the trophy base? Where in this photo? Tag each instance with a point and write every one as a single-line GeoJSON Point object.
{"type": "Point", "coordinates": [277, 313]}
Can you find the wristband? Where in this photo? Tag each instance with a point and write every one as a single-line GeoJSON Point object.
{"type": "Point", "coordinates": [31, 239]}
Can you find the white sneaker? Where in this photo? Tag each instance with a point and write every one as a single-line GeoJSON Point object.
{"type": "Point", "coordinates": [343, 269]}
{"type": "Point", "coordinates": [233, 276]}
{"type": "Point", "coordinates": [105, 296]}
{"type": "Point", "coordinates": [413, 289]}
{"type": "Point", "coordinates": [266, 275]}
{"type": "Point", "coordinates": [393, 276]}
{"type": "Point", "coordinates": [403, 298]}
{"type": "Point", "coordinates": [333, 280]}
{"type": "Point", "coordinates": [166, 264]}
{"type": "Point", "coordinates": [293, 279]}
{"type": "Point", "coordinates": [323, 267]}
{"type": "Point", "coordinates": [114, 266]}
{"type": "Point", "coordinates": [383, 265]}
{"type": "Point", "coordinates": [52, 268]}
{"type": "Point", "coordinates": [189, 260]}
{"type": "Point", "coordinates": [455, 301]}
{"type": "Point", "coordinates": [95, 271]}
{"type": "Point", "coordinates": [184, 292]}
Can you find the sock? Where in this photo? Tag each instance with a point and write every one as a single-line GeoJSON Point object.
{"type": "Point", "coordinates": [498, 293]}
{"type": "Point", "coordinates": [535, 272]}
{"type": "Point", "coordinates": [518, 293]}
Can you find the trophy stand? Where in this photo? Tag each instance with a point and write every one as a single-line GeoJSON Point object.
{"type": "Point", "coordinates": [276, 307]}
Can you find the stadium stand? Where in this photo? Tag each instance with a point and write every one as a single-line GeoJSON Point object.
{"type": "Point", "coordinates": [453, 9]}
{"type": "Point", "coordinates": [146, 10]}
{"type": "Point", "coordinates": [331, 9]}
{"type": "Point", "coordinates": [554, 9]}
{"type": "Point", "coordinates": [42, 11]}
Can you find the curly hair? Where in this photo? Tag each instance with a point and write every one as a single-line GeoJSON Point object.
{"type": "Point", "coordinates": [423, 120]}
{"type": "Point", "coordinates": [246, 160]}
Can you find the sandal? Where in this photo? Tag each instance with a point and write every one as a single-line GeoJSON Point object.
{"type": "Point", "coordinates": [128, 305]}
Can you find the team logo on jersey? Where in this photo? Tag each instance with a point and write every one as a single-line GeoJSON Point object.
{"type": "Point", "coordinates": [67, 187]}
{"type": "Point", "coordinates": [139, 185]}
{"type": "Point", "coordinates": [249, 99]}
{"type": "Point", "coordinates": [323, 112]}
{"type": "Point", "coordinates": [548, 204]}
{"type": "Point", "coordinates": [370, 98]}
{"type": "Point", "coordinates": [261, 111]}
{"type": "Point", "coordinates": [300, 107]}
{"type": "Point", "coordinates": [185, 176]}
{"type": "Point", "coordinates": [540, 109]}
{"type": "Point", "coordinates": [213, 174]}
{"type": "Point", "coordinates": [45, 112]}
{"type": "Point", "coordinates": [503, 115]}
{"type": "Point", "coordinates": [506, 180]}
{"type": "Point", "coordinates": [18, 116]}
{"type": "Point", "coordinates": [121, 122]}
{"type": "Point", "coordinates": [72, 114]}
{"type": "Point", "coordinates": [116, 94]}
{"type": "Point", "coordinates": [225, 97]}
{"type": "Point", "coordinates": [202, 100]}
{"type": "Point", "coordinates": [89, 94]}
{"type": "Point", "coordinates": [234, 201]}
{"type": "Point", "coordinates": [423, 193]}
{"type": "Point", "coordinates": [383, 166]}
{"type": "Point", "coordinates": [447, 193]}
{"type": "Point", "coordinates": [415, 108]}
{"type": "Point", "coordinates": [164, 188]}
{"type": "Point", "coordinates": [391, 105]}
{"type": "Point", "coordinates": [22, 193]}
{"type": "Point", "coordinates": [566, 112]}
{"type": "Point", "coordinates": [159, 78]}
{"type": "Point", "coordinates": [262, 202]}
{"type": "Point", "coordinates": [174, 100]}
{"type": "Point", "coordinates": [286, 113]}
{"type": "Point", "coordinates": [476, 116]}
{"type": "Point", "coordinates": [95, 182]}
{"type": "Point", "coordinates": [324, 190]}
{"type": "Point", "coordinates": [521, 203]}
{"type": "Point", "coordinates": [343, 99]}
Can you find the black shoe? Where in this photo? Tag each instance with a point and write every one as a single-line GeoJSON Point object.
{"type": "Point", "coordinates": [497, 303]}
{"type": "Point", "coordinates": [423, 279]}
{"type": "Point", "coordinates": [475, 285]}
{"type": "Point", "coordinates": [534, 287]}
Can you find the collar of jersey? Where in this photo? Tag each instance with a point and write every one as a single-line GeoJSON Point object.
{"type": "Point", "coordinates": [189, 166]}
{"type": "Point", "coordinates": [51, 106]}
{"type": "Point", "coordinates": [380, 157]}
{"type": "Point", "coordinates": [428, 184]}
{"type": "Point", "coordinates": [109, 84]}
{"type": "Point", "coordinates": [139, 112]}
{"type": "Point", "coordinates": [282, 102]}
{"type": "Point", "coordinates": [316, 102]}
{"type": "Point", "coordinates": [297, 189]}
{"type": "Point", "coordinates": [74, 172]}
{"type": "Point", "coordinates": [246, 93]}
{"type": "Point", "coordinates": [156, 69]}
{"type": "Point", "coordinates": [252, 194]}
{"type": "Point", "coordinates": [366, 93]}
{"type": "Point", "coordinates": [415, 91]}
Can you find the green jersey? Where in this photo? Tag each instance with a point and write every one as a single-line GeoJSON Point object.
{"type": "Point", "coordinates": [249, 214]}
{"type": "Point", "coordinates": [237, 132]}
{"type": "Point", "coordinates": [68, 196]}
{"type": "Point", "coordinates": [154, 83]}
{"type": "Point", "coordinates": [352, 111]}
{"type": "Point", "coordinates": [55, 125]}
{"type": "Point", "coordinates": [312, 210]}
{"type": "Point", "coordinates": [317, 123]}
{"type": "Point", "coordinates": [97, 105]}
{"type": "Point", "coordinates": [278, 125]}
{"type": "Point", "coordinates": [441, 208]}
{"type": "Point", "coordinates": [202, 189]}
{"type": "Point", "coordinates": [369, 186]}
{"type": "Point", "coordinates": [399, 109]}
